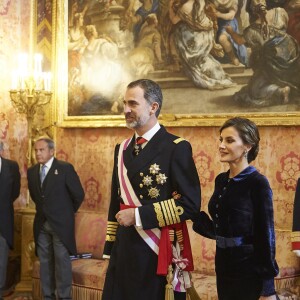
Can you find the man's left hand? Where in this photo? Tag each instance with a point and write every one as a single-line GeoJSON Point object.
{"type": "Point", "coordinates": [126, 217]}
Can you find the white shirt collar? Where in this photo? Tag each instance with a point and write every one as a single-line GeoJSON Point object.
{"type": "Point", "coordinates": [0, 163]}
{"type": "Point", "coordinates": [150, 133]}
{"type": "Point", "coordinates": [48, 164]}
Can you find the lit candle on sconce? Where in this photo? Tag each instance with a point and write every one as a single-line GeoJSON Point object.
{"type": "Point", "coordinates": [37, 71]}
{"type": "Point", "coordinates": [47, 81]}
{"type": "Point", "coordinates": [15, 80]}
{"type": "Point", "coordinates": [30, 89]}
{"type": "Point", "coordinates": [23, 62]}
{"type": "Point", "coordinates": [38, 63]}
{"type": "Point", "coordinates": [20, 75]}
{"type": "Point", "coordinates": [33, 78]}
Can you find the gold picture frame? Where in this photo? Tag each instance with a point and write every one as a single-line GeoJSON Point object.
{"type": "Point", "coordinates": [169, 115]}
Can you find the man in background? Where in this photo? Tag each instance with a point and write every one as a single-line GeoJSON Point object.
{"type": "Point", "coordinates": [56, 190]}
{"type": "Point", "coordinates": [9, 192]}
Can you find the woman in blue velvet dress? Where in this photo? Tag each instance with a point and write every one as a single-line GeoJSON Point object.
{"type": "Point", "coordinates": [242, 222]}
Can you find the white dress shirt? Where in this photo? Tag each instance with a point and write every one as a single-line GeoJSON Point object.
{"type": "Point", "coordinates": [48, 165]}
{"type": "Point", "coordinates": [148, 136]}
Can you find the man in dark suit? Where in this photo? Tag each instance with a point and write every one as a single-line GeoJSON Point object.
{"type": "Point", "coordinates": [155, 188]}
{"type": "Point", "coordinates": [56, 190]}
{"type": "Point", "coordinates": [9, 192]}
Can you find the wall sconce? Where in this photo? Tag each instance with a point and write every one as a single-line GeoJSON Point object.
{"type": "Point", "coordinates": [30, 89]}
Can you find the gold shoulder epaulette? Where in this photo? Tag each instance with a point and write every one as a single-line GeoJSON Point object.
{"type": "Point", "coordinates": [177, 141]}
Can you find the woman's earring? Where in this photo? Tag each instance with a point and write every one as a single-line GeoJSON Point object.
{"type": "Point", "coordinates": [246, 154]}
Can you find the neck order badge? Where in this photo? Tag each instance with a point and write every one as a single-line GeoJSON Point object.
{"type": "Point", "coordinates": [138, 145]}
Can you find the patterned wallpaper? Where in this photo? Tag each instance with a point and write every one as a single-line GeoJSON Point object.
{"type": "Point", "coordinates": [91, 151]}
{"type": "Point", "coordinates": [14, 38]}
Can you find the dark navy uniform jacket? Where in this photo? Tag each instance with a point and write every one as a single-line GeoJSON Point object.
{"type": "Point", "coordinates": [131, 273]}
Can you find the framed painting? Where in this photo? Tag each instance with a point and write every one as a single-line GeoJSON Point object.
{"type": "Point", "coordinates": [101, 46]}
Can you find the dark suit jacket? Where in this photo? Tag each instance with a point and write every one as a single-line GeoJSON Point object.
{"type": "Point", "coordinates": [57, 200]}
{"type": "Point", "coordinates": [9, 192]}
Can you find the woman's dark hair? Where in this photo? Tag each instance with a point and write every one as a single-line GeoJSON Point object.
{"type": "Point", "coordinates": [248, 132]}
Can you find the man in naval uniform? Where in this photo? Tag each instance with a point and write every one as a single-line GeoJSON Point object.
{"type": "Point", "coordinates": [155, 189]}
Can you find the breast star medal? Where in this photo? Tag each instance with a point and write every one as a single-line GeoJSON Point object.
{"type": "Point", "coordinates": [154, 169]}
{"type": "Point", "coordinates": [153, 192]}
{"type": "Point", "coordinates": [147, 180]}
{"type": "Point", "coordinates": [161, 178]}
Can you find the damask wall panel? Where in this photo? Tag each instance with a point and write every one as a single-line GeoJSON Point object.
{"type": "Point", "coordinates": [91, 152]}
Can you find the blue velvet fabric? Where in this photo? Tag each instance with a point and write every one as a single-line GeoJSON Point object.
{"type": "Point", "coordinates": [242, 207]}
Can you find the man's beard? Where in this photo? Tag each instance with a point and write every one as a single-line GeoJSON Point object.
{"type": "Point", "coordinates": [137, 123]}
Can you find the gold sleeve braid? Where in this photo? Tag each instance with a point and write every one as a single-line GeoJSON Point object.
{"type": "Point", "coordinates": [167, 213]}
{"type": "Point", "coordinates": [159, 215]}
{"type": "Point", "coordinates": [111, 231]}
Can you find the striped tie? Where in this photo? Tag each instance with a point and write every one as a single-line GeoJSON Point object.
{"type": "Point", "coordinates": [43, 173]}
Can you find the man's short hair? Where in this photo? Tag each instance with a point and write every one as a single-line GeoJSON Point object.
{"type": "Point", "coordinates": [49, 141]}
{"type": "Point", "coordinates": [152, 91]}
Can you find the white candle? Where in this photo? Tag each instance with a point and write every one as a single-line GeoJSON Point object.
{"type": "Point", "coordinates": [23, 63]}
{"type": "Point", "coordinates": [50, 81]}
{"type": "Point", "coordinates": [47, 81]}
{"type": "Point", "coordinates": [22, 82]}
{"type": "Point", "coordinates": [38, 63]}
{"type": "Point", "coordinates": [14, 80]}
